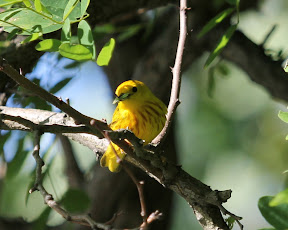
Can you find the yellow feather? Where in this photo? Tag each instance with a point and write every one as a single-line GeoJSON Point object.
{"type": "Point", "coordinates": [140, 111]}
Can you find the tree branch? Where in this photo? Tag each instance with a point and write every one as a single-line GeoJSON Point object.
{"type": "Point", "coordinates": [176, 71]}
{"type": "Point", "coordinates": [197, 194]}
{"type": "Point", "coordinates": [45, 95]}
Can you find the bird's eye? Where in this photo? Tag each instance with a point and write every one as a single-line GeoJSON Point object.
{"type": "Point", "coordinates": [134, 89]}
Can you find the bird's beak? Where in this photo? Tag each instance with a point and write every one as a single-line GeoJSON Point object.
{"type": "Point", "coordinates": [122, 97]}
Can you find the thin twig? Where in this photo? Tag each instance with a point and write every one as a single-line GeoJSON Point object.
{"type": "Point", "coordinates": [271, 31]}
{"type": "Point", "coordinates": [176, 72]}
{"type": "Point", "coordinates": [139, 185]}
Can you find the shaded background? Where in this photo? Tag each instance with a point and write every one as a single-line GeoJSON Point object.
{"type": "Point", "coordinates": [228, 136]}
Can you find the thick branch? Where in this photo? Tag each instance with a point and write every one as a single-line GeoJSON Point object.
{"type": "Point", "coordinates": [166, 173]}
{"type": "Point", "coordinates": [45, 95]}
{"type": "Point", "coordinates": [250, 57]}
{"type": "Point", "coordinates": [260, 67]}
{"type": "Point", "coordinates": [46, 121]}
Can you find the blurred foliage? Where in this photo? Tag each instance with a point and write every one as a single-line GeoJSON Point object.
{"type": "Point", "coordinates": [277, 215]}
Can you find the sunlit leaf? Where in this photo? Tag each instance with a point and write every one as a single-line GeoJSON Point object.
{"type": "Point", "coordinates": [69, 8]}
{"type": "Point", "coordinates": [8, 2]}
{"type": "Point", "coordinates": [27, 3]}
{"type": "Point", "coordinates": [277, 216]}
{"type": "Point", "coordinates": [38, 5]}
{"type": "Point", "coordinates": [286, 66]}
{"type": "Point", "coordinates": [84, 6]}
{"type": "Point", "coordinates": [32, 37]}
{"type": "Point", "coordinates": [48, 45]}
{"type": "Point", "coordinates": [76, 52]}
{"type": "Point", "coordinates": [26, 20]}
{"type": "Point", "coordinates": [283, 116]}
{"type": "Point", "coordinates": [106, 53]}
{"type": "Point", "coordinates": [85, 37]}
{"type": "Point", "coordinates": [66, 31]}
{"type": "Point", "coordinates": [280, 198]}
{"type": "Point", "coordinates": [215, 21]}
{"type": "Point", "coordinates": [223, 42]}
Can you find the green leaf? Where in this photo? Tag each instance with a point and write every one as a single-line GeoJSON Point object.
{"type": "Point", "coordinates": [215, 21]}
{"type": "Point", "coordinates": [57, 7]}
{"type": "Point", "coordinates": [76, 52]}
{"type": "Point", "coordinates": [69, 8]}
{"type": "Point", "coordinates": [66, 31]}
{"type": "Point", "coordinates": [283, 116]}
{"type": "Point", "coordinates": [75, 201]}
{"type": "Point", "coordinates": [60, 85]}
{"type": "Point", "coordinates": [8, 2]}
{"type": "Point", "coordinates": [220, 46]}
{"type": "Point", "coordinates": [130, 32]}
{"type": "Point", "coordinates": [26, 20]}
{"type": "Point", "coordinates": [280, 198]}
{"type": "Point", "coordinates": [223, 69]}
{"type": "Point", "coordinates": [106, 53]}
{"type": "Point", "coordinates": [27, 3]}
{"type": "Point", "coordinates": [38, 5]}
{"type": "Point", "coordinates": [230, 222]}
{"type": "Point", "coordinates": [49, 45]}
{"type": "Point", "coordinates": [85, 37]}
{"type": "Point", "coordinates": [32, 37]}
{"type": "Point", "coordinates": [13, 34]}
{"type": "Point", "coordinates": [276, 216]}
{"type": "Point", "coordinates": [83, 6]}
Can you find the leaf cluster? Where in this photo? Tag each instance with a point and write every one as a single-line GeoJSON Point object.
{"type": "Point", "coordinates": [36, 18]}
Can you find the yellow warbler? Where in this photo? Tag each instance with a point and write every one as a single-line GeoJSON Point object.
{"type": "Point", "coordinates": [140, 111]}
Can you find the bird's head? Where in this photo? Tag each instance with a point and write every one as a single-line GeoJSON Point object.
{"type": "Point", "coordinates": [131, 90]}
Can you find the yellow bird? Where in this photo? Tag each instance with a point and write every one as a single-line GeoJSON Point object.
{"type": "Point", "coordinates": [138, 110]}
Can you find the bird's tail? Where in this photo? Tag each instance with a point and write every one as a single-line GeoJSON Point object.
{"type": "Point", "coordinates": [109, 158]}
